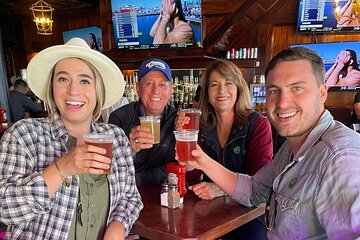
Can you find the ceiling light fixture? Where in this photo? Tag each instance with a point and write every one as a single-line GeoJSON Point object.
{"type": "Point", "coordinates": [42, 13]}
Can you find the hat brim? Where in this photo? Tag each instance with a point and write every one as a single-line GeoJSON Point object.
{"type": "Point", "coordinates": [40, 66]}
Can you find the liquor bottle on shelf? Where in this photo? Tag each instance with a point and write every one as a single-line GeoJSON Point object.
{"type": "Point", "coordinates": [184, 91]}
{"type": "Point", "coordinates": [130, 88]}
{"type": "Point", "coordinates": [258, 97]}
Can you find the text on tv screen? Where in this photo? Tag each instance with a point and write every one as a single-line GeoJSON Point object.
{"type": "Point", "coordinates": [152, 24]}
{"type": "Point", "coordinates": [328, 16]}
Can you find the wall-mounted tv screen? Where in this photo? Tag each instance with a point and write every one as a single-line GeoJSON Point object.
{"type": "Point", "coordinates": [92, 35]}
{"type": "Point", "coordinates": [341, 62]}
{"type": "Point", "coordinates": [154, 24]}
{"type": "Point", "coordinates": [328, 16]}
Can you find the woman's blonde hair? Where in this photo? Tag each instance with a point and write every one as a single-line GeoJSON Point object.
{"type": "Point", "coordinates": [242, 107]}
{"type": "Point", "coordinates": [99, 90]}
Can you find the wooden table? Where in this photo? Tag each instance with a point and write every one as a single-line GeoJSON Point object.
{"type": "Point", "coordinates": [195, 219]}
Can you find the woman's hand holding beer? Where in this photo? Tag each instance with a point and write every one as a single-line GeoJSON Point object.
{"type": "Point", "coordinates": [181, 120]}
{"type": "Point", "coordinates": [84, 159]}
{"type": "Point", "coordinates": [221, 176]}
{"type": "Point", "coordinates": [140, 138]}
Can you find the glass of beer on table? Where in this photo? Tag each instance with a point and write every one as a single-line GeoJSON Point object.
{"type": "Point", "coordinates": [152, 123]}
{"type": "Point", "coordinates": [186, 141]}
{"type": "Point", "coordinates": [103, 141]}
{"type": "Point", "coordinates": [194, 115]}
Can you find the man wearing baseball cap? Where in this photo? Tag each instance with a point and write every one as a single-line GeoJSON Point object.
{"type": "Point", "coordinates": [154, 90]}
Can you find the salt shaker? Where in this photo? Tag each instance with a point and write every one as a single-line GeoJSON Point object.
{"type": "Point", "coordinates": [164, 194]}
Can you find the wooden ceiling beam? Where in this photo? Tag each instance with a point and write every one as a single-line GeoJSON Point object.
{"type": "Point", "coordinates": [219, 31]}
{"type": "Point", "coordinates": [274, 15]}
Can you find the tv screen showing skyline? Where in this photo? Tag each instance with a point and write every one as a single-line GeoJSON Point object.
{"type": "Point", "coordinates": [151, 24]}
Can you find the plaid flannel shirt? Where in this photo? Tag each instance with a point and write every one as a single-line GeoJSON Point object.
{"type": "Point", "coordinates": [31, 145]}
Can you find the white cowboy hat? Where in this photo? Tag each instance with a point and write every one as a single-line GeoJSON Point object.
{"type": "Point", "coordinates": [40, 66]}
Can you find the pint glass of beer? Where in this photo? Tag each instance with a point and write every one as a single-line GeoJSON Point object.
{"type": "Point", "coordinates": [103, 141]}
{"type": "Point", "coordinates": [152, 123]}
{"type": "Point", "coordinates": [185, 142]}
{"type": "Point", "coordinates": [194, 115]}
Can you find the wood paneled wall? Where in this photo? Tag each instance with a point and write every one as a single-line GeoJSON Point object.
{"type": "Point", "coordinates": [284, 36]}
{"type": "Point", "coordinates": [254, 26]}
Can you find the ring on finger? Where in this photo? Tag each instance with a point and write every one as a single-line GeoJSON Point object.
{"type": "Point", "coordinates": [136, 140]}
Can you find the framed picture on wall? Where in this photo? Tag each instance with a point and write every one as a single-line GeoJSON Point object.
{"type": "Point", "coordinates": [92, 35]}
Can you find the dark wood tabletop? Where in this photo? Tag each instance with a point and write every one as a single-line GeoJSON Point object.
{"type": "Point", "coordinates": [195, 219]}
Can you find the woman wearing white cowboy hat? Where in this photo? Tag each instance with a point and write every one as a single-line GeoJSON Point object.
{"type": "Point", "coordinates": [52, 186]}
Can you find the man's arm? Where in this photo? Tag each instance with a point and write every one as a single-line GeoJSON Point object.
{"type": "Point", "coordinates": [33, 106]}
{"type": "Point", "coordinates": [220, 175]}
{"type": "Point", "coordinates": [337, 204]}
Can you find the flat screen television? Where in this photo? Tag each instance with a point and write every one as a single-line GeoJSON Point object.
{"type": "Point", "coordinates": [92, 35]}
{"type": "Point", "coordinates": [138, 24]}
{"type": "Point", "coordinates": [318, 16]}
{"type": "Point", "coordinates": [341, 60]}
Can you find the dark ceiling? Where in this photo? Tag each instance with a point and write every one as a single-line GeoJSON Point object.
{"type": "Point", "coordinates": [11, 8]}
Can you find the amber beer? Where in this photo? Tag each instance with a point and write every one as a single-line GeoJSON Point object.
{"type": "Point", "coordinates": [103, 141]}
{"type": "Point", "coordinates": [152, 123]}
{"type": "Point", "coordinates": [194, 115]}
{"type": "Point", "coordinates": [186, 141]}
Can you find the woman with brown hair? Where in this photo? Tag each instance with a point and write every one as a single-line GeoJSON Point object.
{"type": "Point", "coordinates": [231, 132]}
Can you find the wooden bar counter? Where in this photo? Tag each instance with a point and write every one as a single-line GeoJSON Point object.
{"type": "Point", "coordinates": [195, 219]}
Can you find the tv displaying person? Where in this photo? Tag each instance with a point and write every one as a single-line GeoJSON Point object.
{"type": "Point", "coordinates": [345, 71]}
{"type": "Point", "coordinates": [346, 16]}
{"type": "Point", "coordinates": [92, 42]}
{"type": "Point", "coordinates": [171, 25]}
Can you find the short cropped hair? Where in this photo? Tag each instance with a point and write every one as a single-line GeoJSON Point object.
{"type": "Point", "coordinates": [19, 83]}
{"type": "Point", "coordinates": [300, 53]}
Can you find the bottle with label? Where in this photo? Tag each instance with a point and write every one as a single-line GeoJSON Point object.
{"type": "Point", "coordinates": [180, 172]}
